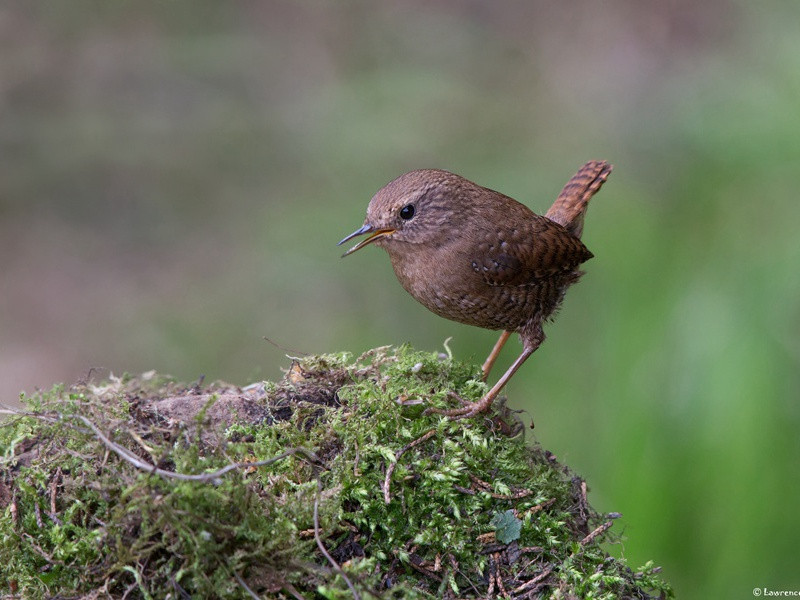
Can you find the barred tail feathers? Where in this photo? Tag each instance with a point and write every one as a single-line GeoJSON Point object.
{"type": "Point", "coordinates": [570, 207]}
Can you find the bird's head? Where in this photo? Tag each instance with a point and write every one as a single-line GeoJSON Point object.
{"type": "Point", "coordinates": [415, 208]}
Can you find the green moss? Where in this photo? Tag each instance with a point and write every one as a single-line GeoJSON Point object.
{"type": "Point", "coordinates": [76, 518]}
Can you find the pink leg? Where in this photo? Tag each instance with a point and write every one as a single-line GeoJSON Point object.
{"type": "Point", "coordinates": [470, 409]}
{"type": "Point", "coordinates": [489, 363]}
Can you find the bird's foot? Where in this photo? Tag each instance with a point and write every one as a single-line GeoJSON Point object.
{"type": "Point", "coordinates": [468, 409]}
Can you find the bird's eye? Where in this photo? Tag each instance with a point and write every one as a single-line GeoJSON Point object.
{"type": "Point", "coordinates": [407, 212]}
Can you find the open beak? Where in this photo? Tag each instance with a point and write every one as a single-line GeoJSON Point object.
{"type": "Point", "coordinates": [374, 235]}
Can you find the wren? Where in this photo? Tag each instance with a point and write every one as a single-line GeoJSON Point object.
{"type": "Point", "coordinates": [476, 256]}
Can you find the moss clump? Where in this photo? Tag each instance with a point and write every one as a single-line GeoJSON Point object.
{"type": "Point", "coordinates": [408, 505]}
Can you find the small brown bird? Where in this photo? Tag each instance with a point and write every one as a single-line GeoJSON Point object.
{"type": "Point", "coordinates": [476, 256]}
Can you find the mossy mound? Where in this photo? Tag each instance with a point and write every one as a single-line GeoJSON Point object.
{"type": "Point", "coordinates": [343, 463]}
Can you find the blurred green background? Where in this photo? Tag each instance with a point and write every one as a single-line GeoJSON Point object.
{"type": "Point", "coordinates": [174, 177]}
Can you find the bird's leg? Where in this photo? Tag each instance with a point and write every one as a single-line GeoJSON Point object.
{"type": "Point", "coordinates": [529, 345]}
{"type": "Point", "coordinates": [473, 408]}
{"type": "Point", "coordinates": [489, 362]}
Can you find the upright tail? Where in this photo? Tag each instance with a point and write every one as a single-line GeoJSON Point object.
{"type": "Point", "coordinates": [570, 206]}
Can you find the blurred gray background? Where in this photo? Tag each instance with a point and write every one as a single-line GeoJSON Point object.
{"type": "Point", "coordinates": [174, 177]}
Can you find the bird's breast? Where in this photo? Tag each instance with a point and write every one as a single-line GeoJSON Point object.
{"type": "Point", "coordinates": [448, 283]}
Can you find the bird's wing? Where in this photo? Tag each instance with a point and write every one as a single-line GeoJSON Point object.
{"type": "Point", "coordinates": [536, 248]}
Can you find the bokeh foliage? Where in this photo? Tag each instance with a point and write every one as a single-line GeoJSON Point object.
{"type": "Point", "coordinates": [173, 177]}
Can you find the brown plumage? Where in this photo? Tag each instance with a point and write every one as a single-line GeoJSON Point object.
{"type": "Point", "coordinates": [476, 256]}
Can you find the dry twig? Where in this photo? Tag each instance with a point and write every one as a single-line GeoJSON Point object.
{"type": "Point", "coordinates": [322, 548]}
{"type": "Point", "coordinates": [485, 486]}
{"type": "Point", "coordinates": [130, 457]}
{"type": "Point", "coordinates": [532, 582]}
{"type": "Point", "coordinates": [604, 527]}
{"type": "Point", "coordinates": [390, 469]}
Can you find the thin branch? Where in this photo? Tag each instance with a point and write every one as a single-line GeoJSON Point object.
{"type": "Point", "coordinates": [532, 582]}
{"type": "Point", "coordinates": [246, 587]}
{"type": "Point", "coordinates": [604, 527]}
{"type": "Point", "coordinates": [322, 548]}
{"type": "Point", "coordinates": [144, 466]}
{"type": "Point", "coordinates": [284, 348]}
{"type": "Point", "coordinates": [130, 457]}
{"type": "Point", "coordinates": [390, 469]}
{"type": "Point", "coordinates": [486, 487]}
{"type": "Point", "coordinates": [500, 585]}
{"type": "Point", "coordinates": [293, 591]}
{"type": "Point", "coordinates": [541, 506]}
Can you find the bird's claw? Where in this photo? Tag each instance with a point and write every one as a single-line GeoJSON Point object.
{"type": "Point", "coordinates": [467, 410]}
